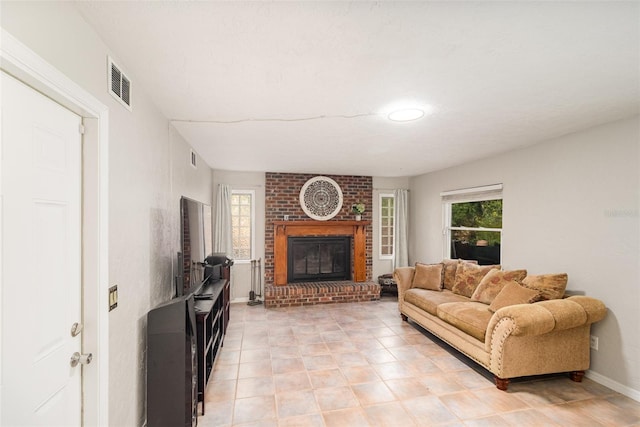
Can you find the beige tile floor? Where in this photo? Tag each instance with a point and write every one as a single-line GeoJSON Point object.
{"type": "Point", "coordinates": [360, 365]}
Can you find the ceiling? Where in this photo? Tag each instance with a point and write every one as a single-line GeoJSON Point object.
{"type": "Point", "coordinates": [306, 86]}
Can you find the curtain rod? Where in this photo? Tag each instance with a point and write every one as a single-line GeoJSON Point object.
{"type": "Point", "coordinates": [241, 186]}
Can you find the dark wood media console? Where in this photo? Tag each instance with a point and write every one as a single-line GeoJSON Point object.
{"type": "Point", "coordinates": [212, 318]}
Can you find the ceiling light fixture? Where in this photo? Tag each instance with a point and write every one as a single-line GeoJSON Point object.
{"type": "Point", "coordinates": [406, 114]}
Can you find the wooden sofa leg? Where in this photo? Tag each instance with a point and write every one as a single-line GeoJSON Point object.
{"type": "Point", "coordinates": [404, 317]}
{"type": "Point", "coordinates": [502, 383]}
{"type": "Point", "coordinates": [576, 376]}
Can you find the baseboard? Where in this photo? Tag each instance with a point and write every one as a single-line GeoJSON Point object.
{"type": "Point", "coordinates": [237, 300]}
{"type": "Point", "coordinates": [614, 385]}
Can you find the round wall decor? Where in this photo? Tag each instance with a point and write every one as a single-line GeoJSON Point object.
{"type": "Point", "coordinates": [321, 198]}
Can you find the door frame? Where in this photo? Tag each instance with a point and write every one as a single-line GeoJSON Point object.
{"type": "Point", "coordinates": [24, 64]}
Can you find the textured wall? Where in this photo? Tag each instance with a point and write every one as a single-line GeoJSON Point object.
{"type": "Point", "coordinates": [569, 205]}
{"type": "Point", "coordinates": [148, 172]}
{"type": "Point", "coordinates": [282, 197]}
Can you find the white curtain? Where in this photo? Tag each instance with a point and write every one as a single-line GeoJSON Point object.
{"type": "Point", "coordinates": [401, 257]}
{"type": "Point", "coordinates": [222, 240]}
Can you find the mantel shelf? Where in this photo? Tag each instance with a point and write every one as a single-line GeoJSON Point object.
{"type": "Point", "coordinates": [321, 223]}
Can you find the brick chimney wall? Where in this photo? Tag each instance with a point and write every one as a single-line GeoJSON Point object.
{"type": "Point", "coordinates": [282, 191]}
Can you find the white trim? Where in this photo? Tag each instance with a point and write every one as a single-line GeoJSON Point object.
{"type": "Point", "coordinates": [24, 64]}
{"type": "Point", "coordinates": [472, 190]}
{"type": "Point", "coordinates": [614, 385]}
{"type": "Point", "coordinates": [466, 195]}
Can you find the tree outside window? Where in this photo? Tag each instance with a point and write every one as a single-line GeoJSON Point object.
{"type": "Point", "coordinates": [475, 231]}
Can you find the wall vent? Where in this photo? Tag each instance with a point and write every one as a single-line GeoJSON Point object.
{"type": "Point", "coordinates": [194, 159]}
{"type": "Point", "coordinates": [119, 85]}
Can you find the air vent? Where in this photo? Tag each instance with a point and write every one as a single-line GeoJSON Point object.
{"type": "Point", "coordinates": [194, 159]}
{"type": "Point", "coordinates": [119, 85]}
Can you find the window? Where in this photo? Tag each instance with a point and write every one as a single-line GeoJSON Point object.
{"type": "Point", "coordinates": [473, 224]}
{"type": "Point", "coordinates": [242, 224]}
{"type": "Point", "coordinates": [387, 225]}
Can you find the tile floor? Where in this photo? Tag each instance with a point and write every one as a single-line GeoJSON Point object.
{"type": "Point", "coordinates": [358, 364]}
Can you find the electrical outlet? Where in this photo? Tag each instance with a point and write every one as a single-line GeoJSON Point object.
{"type": "Point", "coordinates": [594, 342]}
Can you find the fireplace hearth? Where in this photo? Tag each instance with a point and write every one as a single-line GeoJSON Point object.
{"type": "Point", "coordinates": [316, 259]}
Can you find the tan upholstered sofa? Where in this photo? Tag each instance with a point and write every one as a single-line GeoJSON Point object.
{"type": "Point", "coordinates": [512, 324]}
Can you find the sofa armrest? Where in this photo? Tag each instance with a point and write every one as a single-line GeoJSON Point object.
{"type": "Point", "coordinates": [547, 316]}
{"type": "Point", "coordinates": [404, 278]}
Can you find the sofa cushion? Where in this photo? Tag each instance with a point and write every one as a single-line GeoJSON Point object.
{"type": "Point", "coordinates": [493, 282]}
{"type": "Point", "coordinates": [468, 277]}
{"type": "Point", "coordinates": [550, 286]}
{"type": "Point", "coordinates": [470, 317]}
{"type": "Point", "coordinates": [428, 276]}
{"type": "Point", "coordinates": [450, 268]}
{"type": "Point", "coordinates": [430, 300]}
{"type": "Point", "coordinates": [512, 294]}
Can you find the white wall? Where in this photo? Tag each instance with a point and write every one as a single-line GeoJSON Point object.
{"type": "Point", "coordinates": [569, 205]}
{"type": "Point", "coordinates": [194, 183]}
{"type": "Point", "coordinates": [147, 175]}
{"type": "Point", "coordinates": [241, 271]}
{"type": "Point", "coordinates": [382, 185]}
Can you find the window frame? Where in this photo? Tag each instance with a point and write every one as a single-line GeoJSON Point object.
{"type": "Point", "coordinates": [467, 195]}
{"type": "Point", "coordinates": [252, 230]}
{"type": "Point", "coordinates": [382, 256]}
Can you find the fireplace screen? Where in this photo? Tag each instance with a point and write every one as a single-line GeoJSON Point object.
{"type": "Point", "coordinates": [315, 259]}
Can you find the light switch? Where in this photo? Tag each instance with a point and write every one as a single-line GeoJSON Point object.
{"type": "Point", "coordinates": [113, 297]}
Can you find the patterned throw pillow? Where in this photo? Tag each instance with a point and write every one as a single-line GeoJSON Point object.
{"type": "Point", "coordinates": [468, 277]}
{"type": "Point", "coordinates": [513, 294]}
{"type": "Point", "coordinates": [450, 268]}
{"type": "Point", "coordinates": [493, 282]}
{"type": "Point", "coordinates": [428, 276]}
{"type": "Point", "coordinates": [550, 286]}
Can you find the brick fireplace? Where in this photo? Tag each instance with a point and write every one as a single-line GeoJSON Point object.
{"type": "Point", "coordinates": [283, 202]}
{"type": "Point", "coordinates": [286, 229]}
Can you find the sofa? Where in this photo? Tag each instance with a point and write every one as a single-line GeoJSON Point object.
{"type": "Point", "coordinates": [511, 323]}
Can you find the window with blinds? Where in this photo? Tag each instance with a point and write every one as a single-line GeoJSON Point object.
{"type": "Point", "coordinates": [473, 224]}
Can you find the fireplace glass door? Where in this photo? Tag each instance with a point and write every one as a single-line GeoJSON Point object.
{"type": "Point", "coordinates": [316, 259]}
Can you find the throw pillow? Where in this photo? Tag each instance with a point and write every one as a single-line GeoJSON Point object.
{"type": "Point", "coordinates": [449, 274]}
{"type": "Point", "coordinates": [468, 277]}
{"type": "Point", "coordinates": [550, 286]}
{"type": "Point", "coordinates": [428, 276]}
{"type": "Point", "coordinates": [511, 294]}
{"type": "Point", "coordinates": [450, 267]}
{"type": "Point", "coordinates": [493, 282]}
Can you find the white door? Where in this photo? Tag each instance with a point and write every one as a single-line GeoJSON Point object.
{"type": "Point", "coordinates": [40, 192]}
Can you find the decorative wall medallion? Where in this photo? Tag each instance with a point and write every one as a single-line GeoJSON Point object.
{"type": "Point", "coordinates": [321, 198]}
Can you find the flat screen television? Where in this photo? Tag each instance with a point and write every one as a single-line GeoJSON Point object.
{"type": "Point", "coordinates": [196, 240]}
